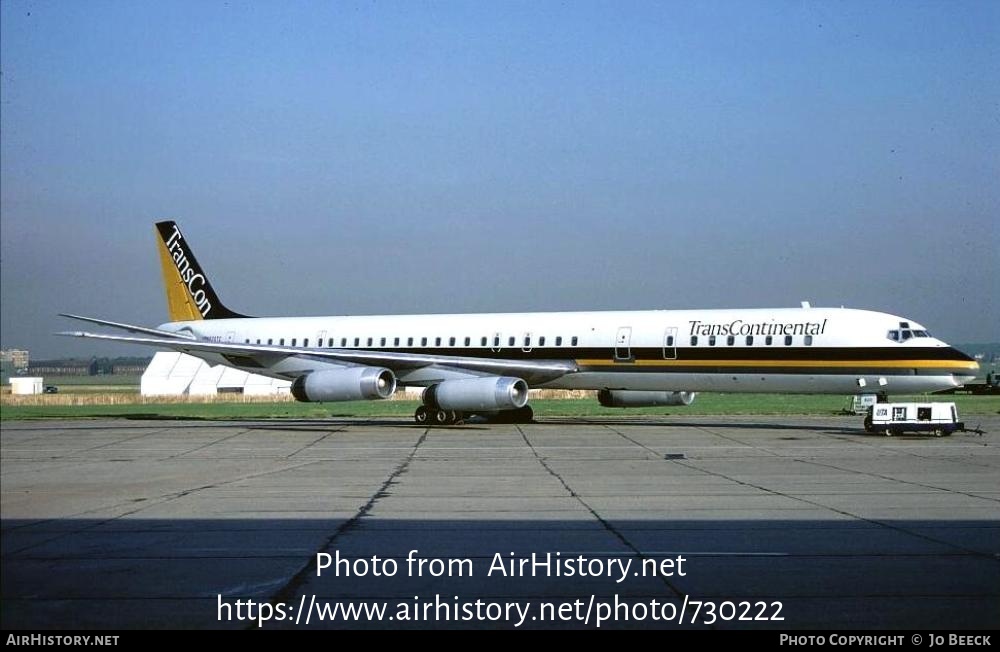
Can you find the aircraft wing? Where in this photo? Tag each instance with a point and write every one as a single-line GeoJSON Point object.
{"type": "Point", "coordinates": [532, 371]}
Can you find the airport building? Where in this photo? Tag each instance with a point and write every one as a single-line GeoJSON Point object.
{"type": "Point", "coordinates": [17, 358]}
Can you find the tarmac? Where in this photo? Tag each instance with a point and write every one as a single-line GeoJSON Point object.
{"type": "Point", "coordinates": [662, 522]}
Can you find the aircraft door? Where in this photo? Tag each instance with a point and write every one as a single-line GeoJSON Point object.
{"type": "Point", "coordinates": [670, 343]}
{"type": "Point", "coordinates": [622, 344]}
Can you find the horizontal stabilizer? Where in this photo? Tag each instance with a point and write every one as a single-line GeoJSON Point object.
{"type": "Point", "coordinates": [131, 327]}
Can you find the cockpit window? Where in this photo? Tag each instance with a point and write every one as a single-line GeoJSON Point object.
{"type": "Point", "coordinates": [904, 334]}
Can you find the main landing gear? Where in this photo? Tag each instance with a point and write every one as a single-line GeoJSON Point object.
{"type": "Point", "coordinates": [430, 416]}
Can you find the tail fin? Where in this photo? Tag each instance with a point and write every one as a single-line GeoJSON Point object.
{"type": "Point", "coordinates": [189, 294]}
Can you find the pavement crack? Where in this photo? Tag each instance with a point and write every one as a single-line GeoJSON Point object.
{"type": "Point", "coordinates": [286, 592]}
{"type": "Point", "coordinates": [314, 442]}
{"type": "Point", "coordinates": [604, 523]}
{"type": "Point", "coordinates": [655, 454]}
{"type": "Point", "coordinates": [842, 512]}
{"type": "Point", "coordinates": [211, 443]}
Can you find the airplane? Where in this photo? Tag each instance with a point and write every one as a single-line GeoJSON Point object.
{"type": "Point", "coordinates": [483, 364]}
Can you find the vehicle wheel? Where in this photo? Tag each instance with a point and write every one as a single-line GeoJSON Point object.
{"type": "Point", "coordinates": [442, 417]}
{"type": "Point", "coordinates": [421, 416]}
{"type": "Point", "coordinates": [888, 432]}
{"type": "Point", "coordinates": [868, 424]}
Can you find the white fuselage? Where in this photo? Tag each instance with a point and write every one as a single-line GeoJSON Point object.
{"type": "Point", "coordinates": [797, 350]}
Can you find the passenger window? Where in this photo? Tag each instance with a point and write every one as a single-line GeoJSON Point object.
{"type": "Point", "coordinates": [559, 340]}
{"type": "Point", "coordinates": [395, 341]}
{"type": "Point", "coordinates": [541, 341]}
{"type": "Point", "coordinates": [808, 340]}
{"type": "Point", "coordinates": [451, 341]}
{"type": "Point", "coordinates": [437, 341]}
{"type": "Point", "coordinates": [670, 340]}
{"type": "Point", "coordinates": [369, 341]}
{"type": "Point", "coordinates": [510, 341]}
{"type": "Point", "coordinates": [246, 341]}
{"type": "Point", "coordinates": [343, 341]}
{"type": "Point", "coordinates": [482, 342]}
{"type": "Point", "coordinates": [711, 340]}
{"type": "Point", "coordinates": [788, 340]}
{"type": "Point", "coordinates": [749, 340]}
{"type": "Point", "coordinates": [574, 340]}
{"type": "Point", "coordinates": [357, 341]}
{"type": "Point", "coordinates": [409, 341]}
{"type": "Point", "coordinates": [527, 342]}
{"type": "Point", "coordinates": [270, 341]}
{"type": "Point", "coordinates": [258, 341]}
{"type": "Point", "coordinates": [294, 339]}
{"type": "Point", "coordinates": [694, 340]}
{"type": "Point", "coordinates": [423, 341]}
{"type": "Point", "coordinates": [769, 340]}
{"type": "Point", "coordinates": [730, 340]}
{"type": "Point", "coordinates": [496, 341]}
{"type": "Point", "coordinates": [383, 342]}
{"type": "Point", "coordinates": [468, 341]}
{"type": "Point", "coordinates": [305, 342]}
{"type": "Point", "coordinates": [281, 341]}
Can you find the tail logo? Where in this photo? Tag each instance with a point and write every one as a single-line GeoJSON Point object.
{"type": "Point", "coordinates": [190, 275]}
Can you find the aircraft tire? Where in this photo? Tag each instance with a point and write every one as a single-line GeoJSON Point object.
{"type": "Point", "coordinates": [422, 415]}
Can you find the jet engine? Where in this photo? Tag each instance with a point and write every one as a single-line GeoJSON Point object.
{"type": "Point", "coordinates": [348, 384]}
{"type": "Point", "coordinates": [489, 394]}
{"type": "Point", "coordinates": [632, 398]}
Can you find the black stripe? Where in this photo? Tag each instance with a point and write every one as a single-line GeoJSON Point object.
{"type": "Point", "coordinates": [800, 371]}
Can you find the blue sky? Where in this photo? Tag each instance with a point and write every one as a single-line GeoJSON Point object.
{"type": "Point", "coordinates": [347, 158]}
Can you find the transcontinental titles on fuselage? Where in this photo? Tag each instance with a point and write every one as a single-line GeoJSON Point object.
{"type": "Point", "coordinates": [741, 327]}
